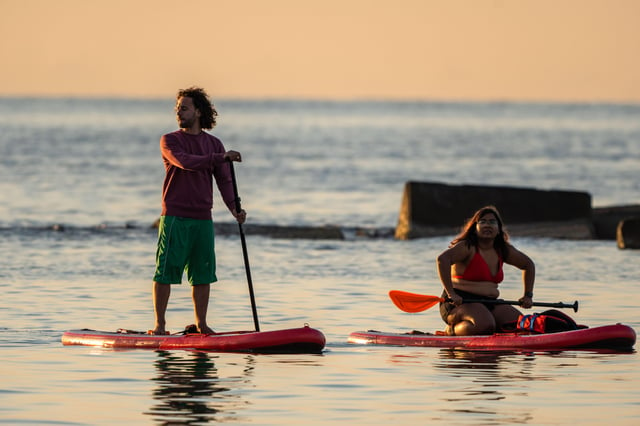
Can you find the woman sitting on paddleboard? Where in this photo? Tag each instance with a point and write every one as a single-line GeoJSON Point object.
{"type": "Point", "coordinates": [471, 268]}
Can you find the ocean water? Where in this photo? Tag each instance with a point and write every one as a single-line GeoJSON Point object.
{"type": "Point", "coordinates": [81, 184]}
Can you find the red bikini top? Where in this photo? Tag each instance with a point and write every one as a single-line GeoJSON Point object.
{"type": "Point", "coordinates": [478, 270]}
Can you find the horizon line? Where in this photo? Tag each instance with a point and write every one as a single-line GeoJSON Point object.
{"type": "Point", "coordinates": [324, 99]}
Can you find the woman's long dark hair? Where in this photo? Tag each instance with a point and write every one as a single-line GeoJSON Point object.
{"type": "Point", "coordinates": [202, 103]}
{"type": "Point", "coordinates": [470, 234]}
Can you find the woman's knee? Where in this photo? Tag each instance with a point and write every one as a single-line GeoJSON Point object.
{"type": "Point", "coordinates": [470, 319]}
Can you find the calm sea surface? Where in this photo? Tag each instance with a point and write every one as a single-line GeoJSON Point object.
{"type": "Point", "coordinates": [92, 168]}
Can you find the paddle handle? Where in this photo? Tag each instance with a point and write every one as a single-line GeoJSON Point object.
{"type": "Point", "coordinates": [573, 305]}
{"type": "Point", "coordinates": [244, 249]}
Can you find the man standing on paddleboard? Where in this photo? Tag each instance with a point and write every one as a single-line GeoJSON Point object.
{"type": "Point", "coordinates": [192, 159]}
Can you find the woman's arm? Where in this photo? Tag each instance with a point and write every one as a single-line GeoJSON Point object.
{"type": "Point", "coordinates": [523, 262]}
{"type": "Point", "coordinates": [458, 253]}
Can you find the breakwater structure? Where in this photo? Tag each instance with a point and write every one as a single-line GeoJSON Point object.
{"type": "Point", "coordinates": [432, 209]}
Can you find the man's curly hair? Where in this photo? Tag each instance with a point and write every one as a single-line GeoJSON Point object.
{"type": "Point", "coordinates": [202, 103]}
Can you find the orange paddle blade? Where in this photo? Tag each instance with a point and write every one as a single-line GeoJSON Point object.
{"type": "Point", "coordinates": [412, 302]}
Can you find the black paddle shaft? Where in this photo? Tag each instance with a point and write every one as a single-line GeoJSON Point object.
{"type": "Point", "coordinates": [244, 249]}
{"type": "Point", "coordinates": [573, 306]}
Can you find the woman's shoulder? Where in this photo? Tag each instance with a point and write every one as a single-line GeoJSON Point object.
{"type": "Point", "coordinates": [514, 256]}
{"type": "Point", "coordinates": [464, 245]}
{"type": "Point", "coordinates": [463, 250]}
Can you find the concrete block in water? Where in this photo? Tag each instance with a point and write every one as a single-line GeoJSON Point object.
{"type": "Point", "coordinates": [628, 233]}
{"type": "Point", "coordinates": [606, 219]}
{"type": "Point", "coordinates": [430, 209]}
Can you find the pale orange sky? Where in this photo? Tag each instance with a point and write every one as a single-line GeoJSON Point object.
{"type": "Point", "coordinates": [558, 50]}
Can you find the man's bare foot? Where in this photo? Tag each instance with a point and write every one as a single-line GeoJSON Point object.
{"type": "Point", "coordinates": [158, 332]}
{"type": "Point", "coordinates": [205, 330]}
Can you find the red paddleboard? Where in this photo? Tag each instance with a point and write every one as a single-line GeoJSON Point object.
{"type": "Point", "coordinates": [288, 341]}
{"type": "Point", "coordinates": [617, 336]}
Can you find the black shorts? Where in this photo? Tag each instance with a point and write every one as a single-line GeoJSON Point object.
{"type": "Point", "coordinates": [447, 307]}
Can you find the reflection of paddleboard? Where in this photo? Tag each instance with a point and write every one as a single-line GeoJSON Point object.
{"type": "Point", "coordinates": [617, 336]}
{"type": "Point", "coordinates": [289, 341]}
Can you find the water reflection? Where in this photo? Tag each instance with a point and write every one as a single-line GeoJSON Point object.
{"type": "Point", "coordinates": [190, 390]}
{"type": "Point", "coordinates": [489, 378]}
{"type": "Point", "coordinates": [457, 359]}
{"type": "Point", "coordinates": [481, 385]}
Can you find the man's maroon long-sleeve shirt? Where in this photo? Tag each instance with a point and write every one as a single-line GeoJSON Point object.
{"type": "Point", "coordinates": [191, 162]}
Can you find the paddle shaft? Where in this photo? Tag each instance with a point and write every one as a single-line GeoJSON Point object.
{"type": "Point", "coordinates": [574, 305]}
{"type": "Point", "coordinates": [244, 250]}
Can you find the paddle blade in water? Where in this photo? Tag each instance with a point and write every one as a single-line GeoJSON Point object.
{"type": "Point", "coordinates": [412, 302]}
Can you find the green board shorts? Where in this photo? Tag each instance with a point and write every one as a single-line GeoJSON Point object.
{"type": "Point", "coordinates": [185, 245]}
